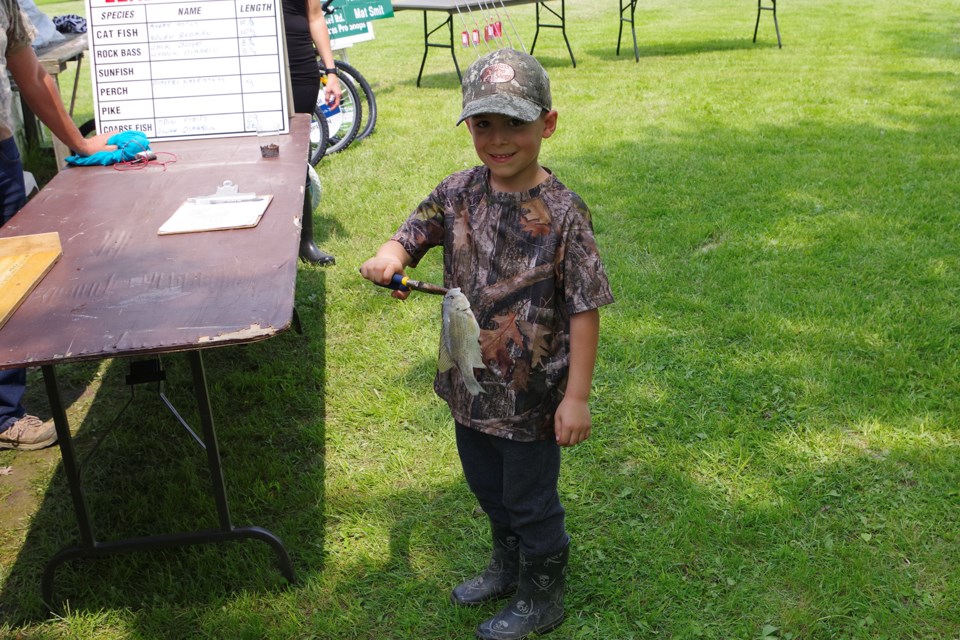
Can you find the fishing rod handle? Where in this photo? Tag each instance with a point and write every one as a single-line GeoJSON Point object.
{"type": "Point", "coordinates": [397, 283]}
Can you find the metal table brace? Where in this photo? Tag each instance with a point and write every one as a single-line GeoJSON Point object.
{"type": "Point", "coordinates": [90, 548]}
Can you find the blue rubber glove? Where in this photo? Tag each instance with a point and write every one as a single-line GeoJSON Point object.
{"type": "Point", "coordinates": [129, 144]}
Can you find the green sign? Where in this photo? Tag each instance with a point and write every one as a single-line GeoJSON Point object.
{"type": "Point", "coordinates": [341, 32]}
{"type": "Point", "coordinates": [350, 12]}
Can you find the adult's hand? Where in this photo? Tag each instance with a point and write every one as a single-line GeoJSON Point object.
{"type": "Point", "coordinates": [93, 144]}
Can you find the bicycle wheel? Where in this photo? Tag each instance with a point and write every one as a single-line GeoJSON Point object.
{"type": "Point", "coordinates": [319, 136]}
{"type": "Point", "coordinates": [344, 121]}
{"type": "Point", "coordinates": [366, 94]}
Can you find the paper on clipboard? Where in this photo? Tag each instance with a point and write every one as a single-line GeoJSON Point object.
{"type": "Point", "coordinates": [206, 215]}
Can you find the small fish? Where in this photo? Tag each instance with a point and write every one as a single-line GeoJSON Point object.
{"type": "Point", "coordinates": [460, 340]}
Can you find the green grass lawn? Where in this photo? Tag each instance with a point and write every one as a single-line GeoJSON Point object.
{"type": "Point", "coordinates": [776, 450]}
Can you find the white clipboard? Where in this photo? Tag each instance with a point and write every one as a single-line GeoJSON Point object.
{"type": "Point", "coordinates": [225, 209]}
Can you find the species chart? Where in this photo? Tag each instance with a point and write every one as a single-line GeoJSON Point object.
{"type": "Point", "coordinates": [188, 68]}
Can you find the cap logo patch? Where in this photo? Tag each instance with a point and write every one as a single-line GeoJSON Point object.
{"type": "Point", "coordinates": [497, 73]}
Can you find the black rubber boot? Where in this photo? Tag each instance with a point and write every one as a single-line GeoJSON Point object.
{"type": "Point", "coordinates": [499, 579]}
{"type": "Point", "coordinates": [537, 606]}
{"type": "Point", "coordinates": [309, 252]}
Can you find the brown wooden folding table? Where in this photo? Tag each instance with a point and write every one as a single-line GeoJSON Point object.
{"type": "Point", "coordinates": [120, 289]}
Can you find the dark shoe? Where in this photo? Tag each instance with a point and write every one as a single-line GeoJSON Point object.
{"type": "Point", "coordinates": [309, 252]}
{"type": "Point", "coordinates": [308, 247]}
{"type": "Point", "coordinates": [27, 434]}
{"type": "Point", "coordinates": [537, 606]}
{"type": "Point", "coordinates": [499, 578]}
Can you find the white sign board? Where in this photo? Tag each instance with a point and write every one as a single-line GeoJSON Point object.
{"type": "Point", "coordinates": [188, 68]}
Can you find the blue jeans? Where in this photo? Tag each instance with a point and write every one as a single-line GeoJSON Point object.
{"type": "Point", "coordinates": [516, 485]}
{"type": "Point", "coordinates": [13, 195]}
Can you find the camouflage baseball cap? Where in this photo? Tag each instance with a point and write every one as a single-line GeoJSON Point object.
{"type": "Point", "coordinates": [508, 82]}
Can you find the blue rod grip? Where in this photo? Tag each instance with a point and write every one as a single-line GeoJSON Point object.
{"type": "Point", "coordinates": [396, 283]}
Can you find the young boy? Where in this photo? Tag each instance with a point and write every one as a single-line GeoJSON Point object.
{"type": "Point", "coordinates": [521, 248]}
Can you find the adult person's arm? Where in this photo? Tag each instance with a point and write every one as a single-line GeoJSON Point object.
{"type": "Point", "coordinates": [40, 91]}
{"type": "Point", "coordinates": [321, 40]}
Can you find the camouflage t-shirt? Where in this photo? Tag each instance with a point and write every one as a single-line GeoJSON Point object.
{"type": "Point", "coordinates": [526, 262]}
{"type": "Point", "coordinates": [16, 32]}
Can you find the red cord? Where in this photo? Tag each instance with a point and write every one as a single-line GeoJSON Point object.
{"type": "Point", "coordinates": [139, 163]}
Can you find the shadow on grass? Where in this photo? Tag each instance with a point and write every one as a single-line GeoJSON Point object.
{"type": "Point", "coordinates": [761, 314]}
{"type": "Point", "coordinates": [438, 79]}
{"type": "Point", "coordinates": [647, 49]}
{"type": "Point", "coordinates": [824, 268]}
{"type": "Point", "coordinates": [432, 79]}
{"type": "Point", "coordinates": [148, 477]}
{"type": "Point", "coordinates": [662, 547]}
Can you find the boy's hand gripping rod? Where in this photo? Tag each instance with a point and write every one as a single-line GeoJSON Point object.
{"type": "Point", "coordinates": [400, 282]}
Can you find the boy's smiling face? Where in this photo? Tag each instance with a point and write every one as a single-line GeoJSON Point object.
{"type": "Point", "coordinates": [510, 148]}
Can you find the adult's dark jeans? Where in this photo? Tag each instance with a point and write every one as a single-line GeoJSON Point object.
{"type": "Point", "coordinates": [516, 485]}
{"type": "Point", "coordinates": [13, 195]}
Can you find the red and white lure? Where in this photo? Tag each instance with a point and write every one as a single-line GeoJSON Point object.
{"type": "Point", "coordinates": [487, 26]}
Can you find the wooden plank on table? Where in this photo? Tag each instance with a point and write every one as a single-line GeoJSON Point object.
{"type": "Point", "coordinates": [24, 260]}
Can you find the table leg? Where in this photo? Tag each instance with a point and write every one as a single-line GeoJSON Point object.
{"type": "Point", "coordinates": [453, 48]}
{"type": "Point", "coordinates": [227, 530]}
{"type": "Point", "coordinates": [632, 5]}
{"type": "Point", "coordinates": [90, 548]}
{"type": "Point", "coordinates": [427, 32]}
{"type": "Point", "coordinates": [210, 439]}
{"type": "Point", "coordinates": [773, 10]}
{"type": "Point", "coordinates": [562, 16]}
{"type": "Point", "coordinates": [76, 83]}
{"type": "Point", "coordinates": [426, 47]}
{"type": "Point", "coordinates": [71, 468]}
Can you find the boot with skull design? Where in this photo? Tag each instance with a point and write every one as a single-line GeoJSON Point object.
{"type": "Point", "coordinates": [537, 606]}
{"type": "Point", "coordinates": [499, 578]}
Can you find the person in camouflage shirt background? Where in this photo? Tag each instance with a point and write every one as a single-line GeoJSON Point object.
{"type": "Point", "coordinates": [520, 246]}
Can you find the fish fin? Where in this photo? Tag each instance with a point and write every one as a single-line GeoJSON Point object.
{"type": "Point", "coordinates": [472, 385]}
{"type": "Point", "coordinates": [476, 360]}
{"type": "Point", "coordinates": [444, 361]}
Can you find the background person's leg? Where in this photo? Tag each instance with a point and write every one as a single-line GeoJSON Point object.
{"type": "Point", "coordinates": [17, 430]}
